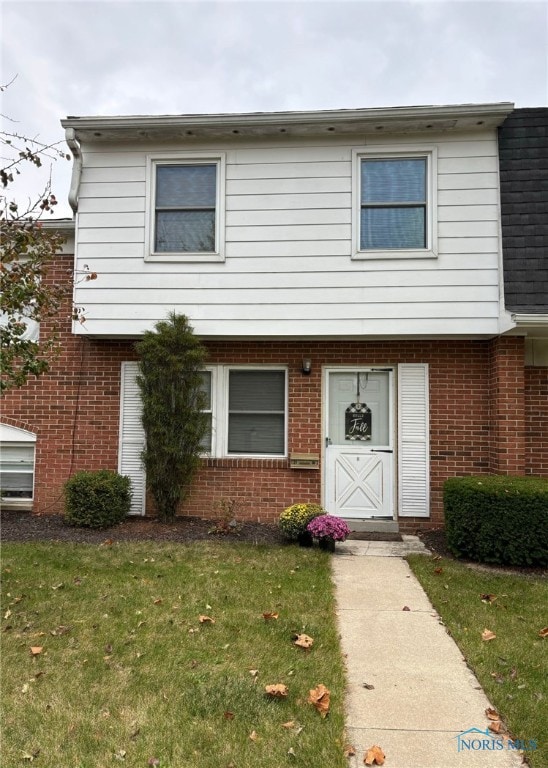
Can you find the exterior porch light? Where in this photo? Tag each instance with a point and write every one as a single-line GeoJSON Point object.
{"type": "Point", "coordinates": [307, 366]}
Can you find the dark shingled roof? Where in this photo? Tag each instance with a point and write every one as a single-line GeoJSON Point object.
{"type": "Point", "coordinates": [523, 163]}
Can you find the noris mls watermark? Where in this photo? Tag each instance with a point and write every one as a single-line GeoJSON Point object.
{"type": "Point", "coordinates": [476, 740]}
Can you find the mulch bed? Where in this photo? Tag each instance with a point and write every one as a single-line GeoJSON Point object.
{"type": "Point", "coordinates": [24, 526]}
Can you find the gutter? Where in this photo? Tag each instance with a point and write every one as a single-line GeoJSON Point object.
{"type": "Point", "coordinates": [481, 112]}
{"type": "Point", "coordinates": [70, 137]}
{"type": "Point", "coordinates": [529, 320]}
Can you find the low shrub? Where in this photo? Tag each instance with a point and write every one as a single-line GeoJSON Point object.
{"type": "Point", "coordinates": [328, 527]}
{"type": "Point", "coordinates": [97, 499]}
{"type": "Point", "coordinates": [497, 519]}
{"type": "Point", "coordinates": [294, 519]}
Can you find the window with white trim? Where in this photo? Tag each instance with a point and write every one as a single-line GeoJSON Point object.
{"type": "Point", "coordinates": [248, 411]}
{"type": "Point", "coordinates": [394, 212]}
{"type": "Point", "coordinates": [17, 449]}
{"type": "Point", "coordinates": [186, 208]}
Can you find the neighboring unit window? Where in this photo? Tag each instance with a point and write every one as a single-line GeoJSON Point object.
{"type": "Point", "coordinates": [256, 412]}
{"type": "Point", "coordinates": [186, 208]}
{"type": "Point", "coordinates": [206, 389]}
{"type": "Point", "coordinates": [17, 472]}
{"type": "Point", "coordinates": [393, 203]}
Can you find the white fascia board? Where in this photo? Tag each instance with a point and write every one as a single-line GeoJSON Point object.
{"type": "Point", "coordinates": [361, 117]}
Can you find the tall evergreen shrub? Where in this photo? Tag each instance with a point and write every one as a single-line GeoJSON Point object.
{"type": "Point", "coordinates": [171, 358]}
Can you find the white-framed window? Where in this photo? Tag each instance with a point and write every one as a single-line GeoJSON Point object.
{"type": "Point", "coordinates": [185, 203]}
{"type": "Point", "coordinates": [17, 450]}
{"type": "Point", "coordinates": [394, 203]}
{"type": "Point", "coordinates": [248, 411]}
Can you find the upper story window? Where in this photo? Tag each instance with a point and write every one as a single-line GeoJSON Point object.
{"type": "Point", "coordinates": [394, 205]}
{"type": "Point", "coordinates": [186, 208]}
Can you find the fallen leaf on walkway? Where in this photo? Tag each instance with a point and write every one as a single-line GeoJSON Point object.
{"type": "Point", "coordinates": [349, 750]}
{"type": "Point", "coordinates": [368, 686]}
{"type": "Point", "coordinates": [495, 726]}
{"type": "Point", "coordinates": [319, 697]}
{"type": "Point", "coordinates": [304, 641]}
{"type": "Point", "coordinates": [374, 756]}
{"type": "Point", "coordinates": [270, 615]}
{"type": "Point", "coordinates": [406, 608]}
{"type": "Point", "coordinates": [492, 714]}
{"type": "Point", "coordinates": [488, 598]}
{"type": "Point", "coordinates": [543, 632]}
{"type": "Point", "coordinates": [278, 690]}
{"type": "Point", "coordinates": [487, 635]}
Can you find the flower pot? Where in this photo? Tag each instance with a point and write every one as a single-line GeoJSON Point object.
{"type": "Point", "coordinates": [305, 539]}
{"type": "Point", "coordinates": [328, 544]}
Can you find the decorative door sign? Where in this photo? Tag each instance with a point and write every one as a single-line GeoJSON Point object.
{"type": "Point", "coordinates": [357, 417]}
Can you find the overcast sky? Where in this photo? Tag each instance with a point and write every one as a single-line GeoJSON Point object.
{"type": "Point", "coordinates": [114, 58]}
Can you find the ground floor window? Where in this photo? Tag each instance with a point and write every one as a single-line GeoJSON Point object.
{"type": "Point", "coordinates": [247, 411]}
{"type": "Point", "coordinates": [16, 465]}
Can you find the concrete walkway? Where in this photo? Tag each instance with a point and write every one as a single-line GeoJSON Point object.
{"type": "Point", "coordinates": [409, 689]}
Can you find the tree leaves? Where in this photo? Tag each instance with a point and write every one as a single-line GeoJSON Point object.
{"type": "Point", "coordinates": [319, 697]}
{"type": "Point", "coordinates": [374, 756]}
{"type": "Point", "coordinates": [304, 641]}
{"type": "Point", "coordinates": [277, 690]}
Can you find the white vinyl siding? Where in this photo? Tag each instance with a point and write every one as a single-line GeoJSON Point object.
{"type": "Point", "coordinates": [288, 237]}
{"type": "Point", "coordinates": [413, 441]}
{"type": "Point", "coordinates": [132, 437]}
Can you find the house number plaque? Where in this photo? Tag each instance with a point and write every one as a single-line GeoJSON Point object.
{"type": "Point", "coordinates": [357, 422]}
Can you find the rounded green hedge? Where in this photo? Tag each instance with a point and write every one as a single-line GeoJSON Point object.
{"type": "Point", "coordinates": [97, 499]}
{"type": "Point", "coordinates": [497, 519]}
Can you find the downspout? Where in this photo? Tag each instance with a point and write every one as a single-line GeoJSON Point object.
{"type": "Point", "coordinates": [70, 137]}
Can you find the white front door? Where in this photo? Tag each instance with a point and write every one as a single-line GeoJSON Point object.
{"type": "Point", "coordinates": [359, 460]}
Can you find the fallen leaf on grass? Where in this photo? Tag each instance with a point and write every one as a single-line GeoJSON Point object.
{"type": "Point", "coordinates": [206, 620]}
{"type": "Point", "coordinates": [438, 571]}
{"type": "Point", "coordinates": [319, 697]}
{"type": "Point", "coordinates": [487, 598]}
{"type": "Point", "coordinates": [291, 752]}
{"type": "Point", "coordinates": [278, 690]}
{"type": "Point", "coordinates": [36, 650]}
{"type": "Point", "coordinates": [253, 736]}
{"type": "Point", "coordinates": [289, 724]}
{"type": "Point", "coordinates": [374, 756]}
{"type": "Point", "coordinates": [487, 635]}
{"type": "Point", "coordinates": [270, 615]}
{"type": "Point", "coordinates": [152, 761]}
{"type": "Point", "coordinates": [158, 601]}
{"type": "Point", "coordinates": [543, 632]}
{"type": "Point", "coordinates": [229, 715]}
{"type": "Point", "coordinates": [253, 672]}
{"type": "Point", "coordinates": [304, 641]}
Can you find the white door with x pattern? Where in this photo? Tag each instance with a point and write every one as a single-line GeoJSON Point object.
{"type": "Point", "coordinates": [359, 458]}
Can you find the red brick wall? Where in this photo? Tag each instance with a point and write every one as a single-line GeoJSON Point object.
{"type": "Point", "coordinates": [536, 420]}
{"type": "Point", "coordinates": [477, 417]}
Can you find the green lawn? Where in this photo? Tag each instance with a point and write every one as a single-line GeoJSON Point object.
{"type": "Point", "coordinates": [512, 668]}
{"type": "Point", "coordinates": [127, 674]}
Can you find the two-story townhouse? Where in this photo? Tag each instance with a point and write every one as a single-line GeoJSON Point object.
{"type": "Point", "coordinates": [344, 270]}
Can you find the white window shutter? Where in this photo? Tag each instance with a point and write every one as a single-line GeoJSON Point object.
{"type": "Point", "coordinates": [413, 440]}
{"type": "Point", "coordinates": [132, 437]}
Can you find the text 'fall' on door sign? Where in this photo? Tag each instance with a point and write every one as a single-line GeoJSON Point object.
{"type": "Point", "coordinates": [357, 417]}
